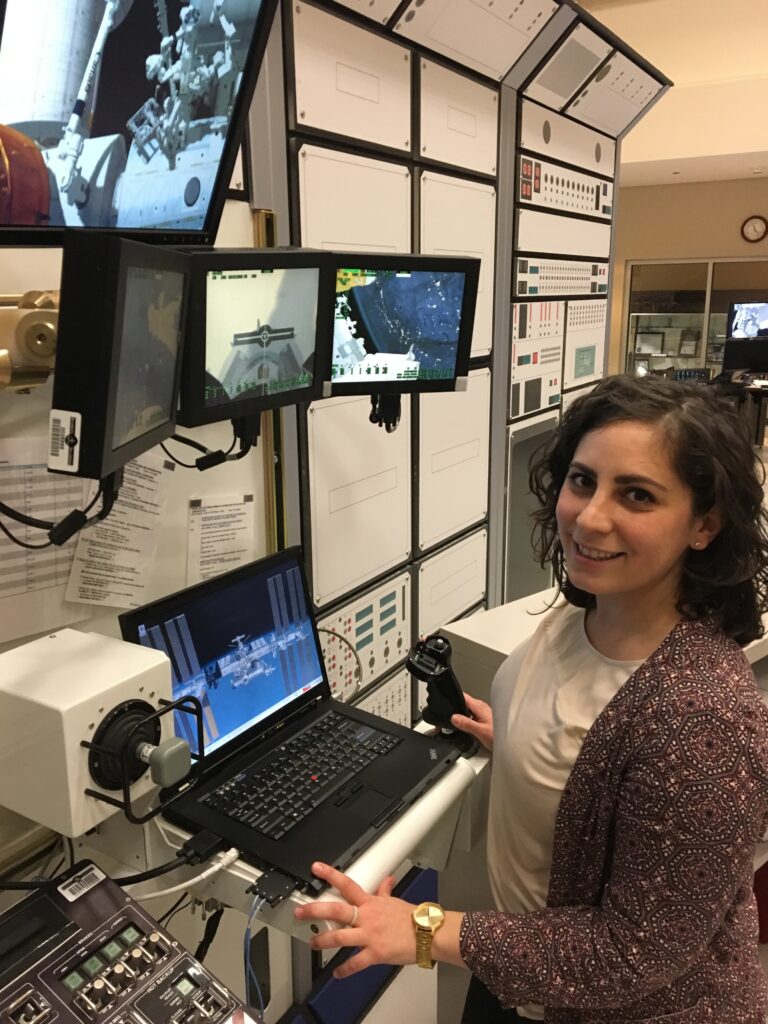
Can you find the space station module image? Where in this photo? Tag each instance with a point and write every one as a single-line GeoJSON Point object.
{"type": "Point", "coordinates": [115, 113]}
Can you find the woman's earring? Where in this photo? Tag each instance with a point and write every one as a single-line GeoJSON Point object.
{"type": "Point", "coordinates": [697, 543]}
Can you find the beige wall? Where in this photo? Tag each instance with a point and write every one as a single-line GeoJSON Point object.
{"type": "Point", "coordinates": [699, 221]}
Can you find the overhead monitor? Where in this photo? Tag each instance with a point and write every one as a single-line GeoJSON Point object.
{"type": "Point", "coordinates": [259, 333]}
{"type": "Point", "coordinates": [118, 352]}
{"type": "Point", "coordinates": [747, 320]}
{"type": "Point", "coordinates": [749, 355]}
{"type": "Point", "coordinates": [123, 114]}
{"type": "Point", "coordinates": [402, 323]}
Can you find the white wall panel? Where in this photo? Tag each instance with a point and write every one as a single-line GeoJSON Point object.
{"type": "Point", "coordinates": [585, 331]}
{"type": "Point", "coordinates": [458, 218]}
{"type": "Point", "coordinates": [616, 96]}
{"type": "Point", "coordinates": [568, 68]}
{"type": "Point", "coordinates": [392, 699]}
{"type": "Point", "coordinates": [552, 233]}
{"type": "Point", "coordinates": [349, 81]}
{"type": "Point", "coordinates": [451, 582]}
{"type": "Point", "coordinates": [378, 624]}
{"type": "Point", "coordinates": [377, 10]}
{"type": "Point", "coordinates": [459, 119]}
{"type": "Point", "coordinates": [353, 202]}
{"type": "Point", "coordinates": [488, 37]}
{"type": "Point", "coordinates": [543, 131]}
{"type": "Point", "coordinates": [570, 397]}
{"type": "Point", "coordinates": [360, 495]}
{"type": "Point", "coordinates": [522, 573]}
{"type": "Point", "coordinates": [453, 459]}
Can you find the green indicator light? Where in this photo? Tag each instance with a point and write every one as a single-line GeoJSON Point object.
{"type": "Point", "coordinates": [130, 935]}
{"type": "Point", "coordinates": [184, 986]}
{"type": "Point", "coordinates": [73, 980]}
{"type": "Point", "coordinates": [93, 966]}
{"type": "Point", "coordinates": [111, 951]}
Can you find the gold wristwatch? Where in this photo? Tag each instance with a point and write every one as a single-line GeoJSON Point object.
{"type": "Point", "coordinates": [427, 918]}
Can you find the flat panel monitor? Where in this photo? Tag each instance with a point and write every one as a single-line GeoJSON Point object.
{"type": "Point", "coordinates": [259, 332]}
{"type": "Point", "coordinates": [118, 352]}
{"type": "Point", "coordinates": [747, 320]}
{"type": "Point", "coordinates": [402, 323]}
{"type": "Point", "coordinates": [244, 643]}
{"type": "Point", "coordinates": [123, 114]}
{"type": "Point", "coordinates": [749, 355]}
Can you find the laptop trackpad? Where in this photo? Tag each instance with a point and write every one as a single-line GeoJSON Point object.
{"type": "Point", "coordinates": [378, 806]}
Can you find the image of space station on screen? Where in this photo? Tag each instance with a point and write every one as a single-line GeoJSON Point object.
{"type": "Point", "coordinates": [244, 650]}
{"type": "Point", "coordinates": [396, 325]}
{"type": "Point", "coordinates": [260, 332]}
{"type": "Point", "coordinates": [748, 320]}
{"type": "Point", "coordinates": [116, 113]}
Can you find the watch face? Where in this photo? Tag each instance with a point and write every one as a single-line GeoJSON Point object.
{"type": "Point", "coordinates": [754, 229]}
{"type": "Point", "coordinates": [429, 915]}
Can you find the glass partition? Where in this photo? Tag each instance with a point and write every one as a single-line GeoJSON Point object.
{"type": "Point", "coordinates": [740, 281]}
{"type": "Point", "coordinates": [667, 305]}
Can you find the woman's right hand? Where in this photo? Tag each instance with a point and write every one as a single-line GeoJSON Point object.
{"type": "Point", "coordinates": [480, 725]}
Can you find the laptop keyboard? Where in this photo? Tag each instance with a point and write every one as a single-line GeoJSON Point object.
{"type": "Point", "coordinates": [319, 764]}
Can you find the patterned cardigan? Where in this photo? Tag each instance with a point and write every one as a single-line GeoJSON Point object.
{"type": "Point", "coordinates": [650, 914]}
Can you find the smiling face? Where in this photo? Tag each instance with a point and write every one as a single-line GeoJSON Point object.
{"type": "Point", "coordinates": [626, 519]}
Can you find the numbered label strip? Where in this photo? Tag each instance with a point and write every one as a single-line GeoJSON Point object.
{"type": "Point", "coordinates": [544, 276]}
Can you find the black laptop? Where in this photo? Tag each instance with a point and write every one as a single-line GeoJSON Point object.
{"type": "Point", "coordinates": [291, 775]}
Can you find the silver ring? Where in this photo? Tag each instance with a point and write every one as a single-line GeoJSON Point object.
{"type": "Point", "coordinates": [353, 922]}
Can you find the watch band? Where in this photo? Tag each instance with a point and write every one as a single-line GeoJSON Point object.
{"type": "Point", "coordinates": [424, 948]}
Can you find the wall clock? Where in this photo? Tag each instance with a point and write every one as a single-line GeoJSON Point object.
{"type": "Point", "coordinates": [754, 229]}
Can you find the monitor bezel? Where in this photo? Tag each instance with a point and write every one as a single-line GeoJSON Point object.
{"type": "Point", "coordinates": [468, 265]}
{"type": "Point", "coordinates": [193, 411]}
{"type": "Point", "coordinates": [86, 374]}
{"type": "Point", "coordinates": [42, 236]}
{"type": "Point", "coordinates": [738, 354]}
{"type": "Point", "coordinates": [732, 316]}
{"type": "Point", "coordinates": [129, 621]}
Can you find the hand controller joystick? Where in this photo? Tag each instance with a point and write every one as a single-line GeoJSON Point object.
{"type": "Point", "coordinates": [430, 661]}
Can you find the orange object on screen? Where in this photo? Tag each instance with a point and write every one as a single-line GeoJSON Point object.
{"type": "Point", "coordinates": [25, 193]}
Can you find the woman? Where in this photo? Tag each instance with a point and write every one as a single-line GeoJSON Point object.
{"type": "Point", "coordinates": [630, 770]}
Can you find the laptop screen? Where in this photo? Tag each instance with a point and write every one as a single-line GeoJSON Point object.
{"type": "Point", "coordinates": [243, 643]}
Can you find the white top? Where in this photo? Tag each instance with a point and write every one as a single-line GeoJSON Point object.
{"type": "Point", "coordinates": [545, 698]}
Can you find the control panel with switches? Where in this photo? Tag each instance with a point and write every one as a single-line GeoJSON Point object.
{"type": "Point", "coordinates": [84, 952]}
{"type": "Point", "coordinates": [378, 626]}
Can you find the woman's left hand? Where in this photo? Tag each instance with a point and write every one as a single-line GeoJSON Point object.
{"type": "Point", "coordinates": [383, 927]}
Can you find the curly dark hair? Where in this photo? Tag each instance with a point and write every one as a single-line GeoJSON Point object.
{"type": "Point", "coordinates": [711, 451]}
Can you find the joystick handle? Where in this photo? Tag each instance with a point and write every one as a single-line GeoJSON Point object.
{"type": "Point", "coordinates": [429, 661]}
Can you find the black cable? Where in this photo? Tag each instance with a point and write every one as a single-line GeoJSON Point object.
{"type": "Point", "coordinates": [71, 850]}
{"type": "Point", "coordinates": [211, 927]}
{"type": "Point", "coordinates": [174, 909]}
{"type": "Point", "coordinates": [161, 869]}
{"type": "Point", "coordinates": [23, 543]}
{"type": "Point", "coordinates": [190, 442]}
{"type": "Point", "coordinates": [186, 465]}
{"type": "Point", "coordinates": [30, 886]}
{"type": "Point", "coordinates": [19, 517]}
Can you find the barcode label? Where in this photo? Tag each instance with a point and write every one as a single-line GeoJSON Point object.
{"type": "Point", "coordinates": [57, 436]}
{"type": "Point", "coordinates": [81, 883]}
{"type": "Point", "coordinates": [64, 432]}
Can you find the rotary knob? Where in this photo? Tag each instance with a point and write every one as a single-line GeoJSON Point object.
{"type": "Point", "coordinates": [120, 977]}
{"type": "Point", "coordinates": [99, 993]}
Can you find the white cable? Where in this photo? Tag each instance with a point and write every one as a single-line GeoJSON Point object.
{"type": "Point", "coordinates": [225, 859]}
